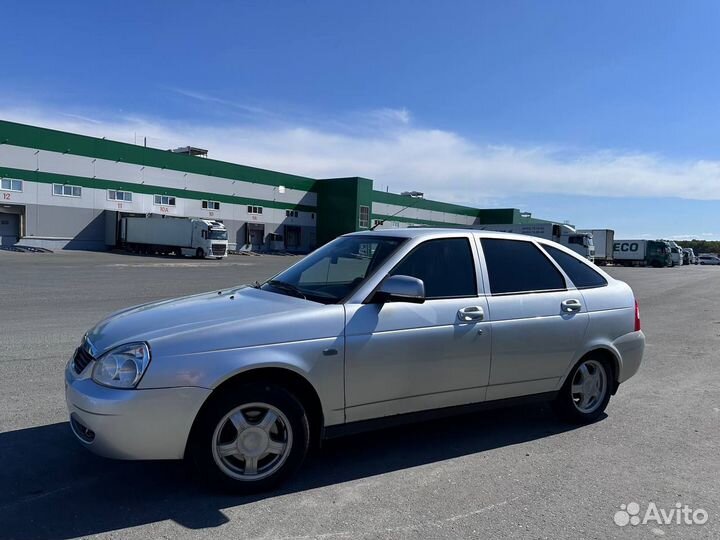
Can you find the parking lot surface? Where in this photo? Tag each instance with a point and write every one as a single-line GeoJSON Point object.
{"type": "Point", "coordinates": [511, 473]}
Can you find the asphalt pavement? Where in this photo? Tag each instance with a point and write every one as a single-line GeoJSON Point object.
{"type": "Point", "coordinates": [516, 472]}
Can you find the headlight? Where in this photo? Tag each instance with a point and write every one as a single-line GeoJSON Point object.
{"type": "Point", "coordinates": [123, 366]}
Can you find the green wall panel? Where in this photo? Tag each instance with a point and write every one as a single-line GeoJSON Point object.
{"type": "Point", "coordinates": [81, 145]}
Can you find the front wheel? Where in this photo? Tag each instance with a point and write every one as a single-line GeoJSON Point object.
{"type": "Point", "coordinates": [586, 392]}
{"type": "Point", "coordinates": [200, 253]}
{"type": "Point", "coordinates": [250, 439]}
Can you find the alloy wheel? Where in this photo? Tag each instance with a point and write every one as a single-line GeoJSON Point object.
{"type": "Point", "coordinates": [589, 386]}
{"type": "Point", "coordinates": [252, 441]}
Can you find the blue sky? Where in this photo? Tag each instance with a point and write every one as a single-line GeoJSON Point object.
{"type": "Point", "coordinates": [603, 113]}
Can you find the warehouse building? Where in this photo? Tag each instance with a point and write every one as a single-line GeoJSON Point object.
{"type": "Point", "coordinates": [67, 191]}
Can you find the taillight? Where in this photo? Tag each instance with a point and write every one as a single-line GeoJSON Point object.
{"type": "Point", "coordinates": [638, 326]}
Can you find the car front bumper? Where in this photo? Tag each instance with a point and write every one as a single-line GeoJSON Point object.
{"type": "Point", "coordinates": [131, 424]}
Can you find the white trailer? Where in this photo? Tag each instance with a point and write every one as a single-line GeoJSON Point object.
{"type": "Point", "coordinates": [191, 237]}
{"type": "Point", "coordinates": [603, 240]}
{"type": "Point", "coordinates": [581, 243]}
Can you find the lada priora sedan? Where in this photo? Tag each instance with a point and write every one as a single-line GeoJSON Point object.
{"type": "Point", "coordinates": [373, 329]}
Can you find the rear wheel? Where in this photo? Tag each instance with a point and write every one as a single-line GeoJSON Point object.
{"type": "Point", "coordinates": [586, 392]}
{"type": "Point", "coordinates": [250, 438]}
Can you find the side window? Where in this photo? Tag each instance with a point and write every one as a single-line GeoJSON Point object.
{"type": "Point", "coordinates": [446, 266]}
{"type": "Point", "coordinates": [516, 266]}
{"type": "Point", "coordinates": [581, 274]}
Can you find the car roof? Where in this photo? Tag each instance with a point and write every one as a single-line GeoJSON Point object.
{"type": "Point", "coordinates": [432, 232]}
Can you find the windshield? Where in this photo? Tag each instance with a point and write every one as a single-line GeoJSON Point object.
{"type": "Point", "coordinates": [332, 272]}
{"type": "Point", "coordinates": [215, 234]}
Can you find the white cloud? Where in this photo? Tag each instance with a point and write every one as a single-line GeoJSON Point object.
{"type": "Point", "coordinates": [389, 148]}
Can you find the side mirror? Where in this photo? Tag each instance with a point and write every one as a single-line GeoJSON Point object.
{"type": "Point", "coordinates": [400, 289]}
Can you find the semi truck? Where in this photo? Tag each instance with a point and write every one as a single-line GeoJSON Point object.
{"type": "Point", "coordinates": [676, 253]}
{"type": "Point", "coordinates": [654, 253]}
{"type": "Point", "coordinates": [603, 240]}
{"type": "Point", "coordinates": [562, 233]}
{"type": "Point", "coordinates": [190, 237]}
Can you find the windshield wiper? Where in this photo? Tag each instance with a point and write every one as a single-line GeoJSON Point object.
{"type": "Point", "coordinates": [284, 286]}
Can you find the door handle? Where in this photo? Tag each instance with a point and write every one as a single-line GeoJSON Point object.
{"type": "Point", "coordinates": [570, 305]}
{"type": "Point", "coordinates": [471, 313]}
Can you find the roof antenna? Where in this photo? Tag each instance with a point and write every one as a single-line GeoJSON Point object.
{"type": "Point", "coordinates": [415, 195]}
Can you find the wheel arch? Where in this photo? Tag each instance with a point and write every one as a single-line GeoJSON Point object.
{"type": "Point", "coordinates": [294, 382]}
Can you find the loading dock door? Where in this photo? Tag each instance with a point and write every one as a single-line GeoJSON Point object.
{"type": "Point", "coordinates": [292, 237]}
{"type": "Point", "coordinates": [9, 229]}
{"type": "Point", "coordinates": [255, 234]}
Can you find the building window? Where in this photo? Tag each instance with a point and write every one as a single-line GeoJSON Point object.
{"type": "Point", "coordinates": [255, 209]}
{"type": "Point", "coordinates": [165, 200]}
{"type": "Point", "coordinates": [312, 216]}
{"type": "Point", "coordinates": [211, 205]}
{"type": "Point", "coordinates": [115, 195]}
{"type": "Point", "coordinates": [10, 184]}
{"type": "Point", "coordinates": [291, 213]}
{"type": "Point", "coordinates": [364, 217]}
{"type": "Point", "coordinates": [66, 190]}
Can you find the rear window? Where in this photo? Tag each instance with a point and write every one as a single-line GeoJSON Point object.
{"type": "Point", "coordinates": [516, 266]}
{"type": "Point", "coordinates": [580, 273]}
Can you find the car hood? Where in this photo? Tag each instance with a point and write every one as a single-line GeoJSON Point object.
{"type": "Point", "coordinates": [200, 317]}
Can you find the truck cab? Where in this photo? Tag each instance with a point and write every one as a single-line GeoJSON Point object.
{"type": "Point", "coordinates": [581, 243]}
{"type": "Point", "coordinates": [676, 254]}
{"type": "Point", "coordinates": [210, 239]}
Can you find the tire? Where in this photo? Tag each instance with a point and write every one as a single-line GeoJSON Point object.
{"type": "Point", "coordinates": [200, 253]}
{"type": "Point", "coordinates": [569, 402]}
{"type": "Point", "coordinates": [272, 452]}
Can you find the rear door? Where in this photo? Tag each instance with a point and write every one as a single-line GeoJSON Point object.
{"type": "Point", "coordinates": [537, 323]}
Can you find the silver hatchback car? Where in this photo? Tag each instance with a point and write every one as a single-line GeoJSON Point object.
{"type": "Point", "coordinates": [373, 329]}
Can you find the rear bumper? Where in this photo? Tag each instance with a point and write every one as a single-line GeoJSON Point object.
{"type": "Point", "coordinates": [132, 424]}
{"type": "Point", "coordinates": [630, 348]}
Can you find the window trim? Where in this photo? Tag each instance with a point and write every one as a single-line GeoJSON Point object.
{"type": "Point", "coordinates": [254, 209]}
{"type": "Point", "coordinates": [63, 194]}
{"type": "Point", "coordinates": [543, 253]}
{"type": "Point", "coordinates": [416, 247]}
{"type": "Point", "coordinates": [11, 180]}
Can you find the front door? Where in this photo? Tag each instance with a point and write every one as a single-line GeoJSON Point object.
{"type": "Point", "coordinates": [537, 323]}
{"type": "Point", "coordinates": [403, 357]}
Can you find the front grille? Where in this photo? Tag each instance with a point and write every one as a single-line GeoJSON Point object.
{"type": "Point", "coordinates": [81, 359]}
{"type": "Point", "coordinates": [218, 250]}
